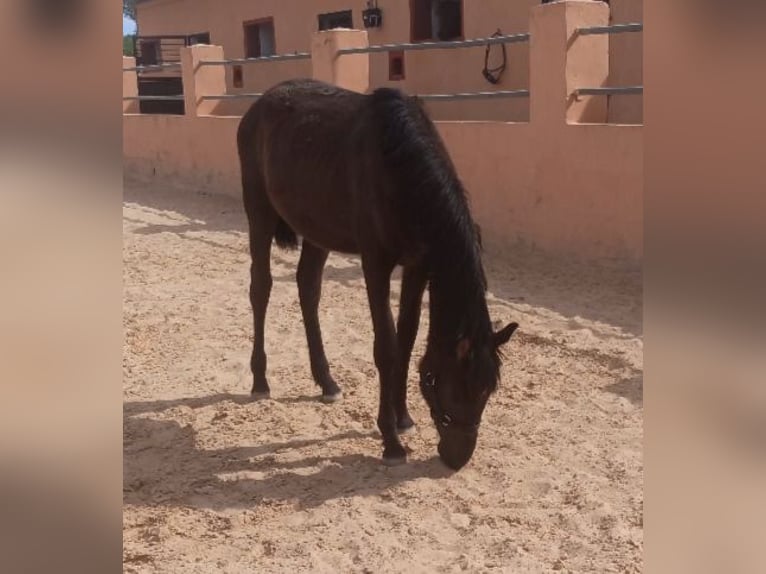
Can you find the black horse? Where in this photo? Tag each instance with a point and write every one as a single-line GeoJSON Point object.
{"type": "Point", "coordinates": [369, 175]}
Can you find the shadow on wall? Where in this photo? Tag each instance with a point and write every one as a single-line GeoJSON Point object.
{"type": "Point", "coordinates": [517, 274]}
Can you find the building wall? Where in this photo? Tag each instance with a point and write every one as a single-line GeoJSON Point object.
{"type": "Point", "coordinates": [173, 17]}
{"type": "Point", "coordinates": [426, 72]}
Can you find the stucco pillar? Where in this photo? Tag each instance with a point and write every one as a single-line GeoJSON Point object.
{"type": "Point", "coordinates": [201, 80]}
{"type": "Point", "coordinates": [560, 61]}
{"type": "Point", "coordinates": [352, 71]}
{"type": "Point", "coordinates": [129, 86]}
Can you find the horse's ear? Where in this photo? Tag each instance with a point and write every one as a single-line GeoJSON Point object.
{"type": "Point", "coordinates": [504, 335]}
{"type": "Point", "coordinates": [463, 348]}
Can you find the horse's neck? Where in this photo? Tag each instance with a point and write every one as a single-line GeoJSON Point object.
{"type": "Point", "coordinates": [457, 302]}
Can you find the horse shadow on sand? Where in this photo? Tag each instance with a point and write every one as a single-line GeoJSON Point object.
{"type": "Point", "coordinates": [164, 464]}
{"type": "Point", "coordinates": [630, 388]}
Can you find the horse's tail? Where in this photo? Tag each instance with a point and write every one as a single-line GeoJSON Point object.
{"type": "Point", "coordinates": [284, 236]}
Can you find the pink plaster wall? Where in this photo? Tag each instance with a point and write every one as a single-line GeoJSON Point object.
{"type": "Point", "coordinates": [183, 151]}
{"type": "Point", "coordinates": [570, 189]}
{"type": "Point", "coordinates": [575, 189]}
{"type": "Point", "coordinates": [129, 85]}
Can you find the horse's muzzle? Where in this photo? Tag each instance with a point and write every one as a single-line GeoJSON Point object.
{"type": "Point", "coordinates": [456, 447]}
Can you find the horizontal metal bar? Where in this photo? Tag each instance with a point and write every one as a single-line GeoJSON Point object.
{"type": "Point", "coordinates": [231, 97]}
{"type": "Point", "coordinates": [276, 58]}
{"type": "Point", "coordinates": [509, 39]}
{"type": "Point", "coordinates": [153, 98]}
{"type": "Point", "coordinates": [157, 67]}
{"type": "Point", "coordinates": [475, 95]}
{"type": "Point", "coordinates": [426, 97]}
{"type": "Point", "coordinates": [614, 29]}
{"type": "Point", "coordinates": [627, 90]}
{"type": "Point", "coordinates": [166, 37]}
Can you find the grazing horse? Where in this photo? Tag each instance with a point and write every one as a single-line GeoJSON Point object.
{"type": "Point", "coordinates": [369, 175]}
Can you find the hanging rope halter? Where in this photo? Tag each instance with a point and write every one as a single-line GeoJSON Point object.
{"type": "Point", "coordinates": [493, 75]}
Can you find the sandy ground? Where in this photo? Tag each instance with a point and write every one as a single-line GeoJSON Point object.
{"type": "Point", "coordinates": [215, 483]}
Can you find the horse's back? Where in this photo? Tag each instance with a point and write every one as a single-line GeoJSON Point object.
{"type": "Point", "coordinates": [300, 138]}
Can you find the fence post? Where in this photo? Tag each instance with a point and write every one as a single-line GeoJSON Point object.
{"type": "Point", "coordinates": [129, 86]}
{"type": "Point", "coordinates": [351, 72]}
{"type": "Point", "coordinates": [560, 61]}
{"type": "Point", "coordinates": [201, 81]}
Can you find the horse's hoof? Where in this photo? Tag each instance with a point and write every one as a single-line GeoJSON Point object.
{"type": "Point", "coordinates": [405, 426]}
{"type": "Point", "coordinates": [333, 398]}
{"type": "Point", "coordinates": [394, 455]}
{"type": "Point", "coordinates": [394, 460]}
{"type": "Point", "coordinates": [260, 395]}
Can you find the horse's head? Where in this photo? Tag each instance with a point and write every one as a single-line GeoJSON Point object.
{"type": "Point", "coordinates": [456, 383]}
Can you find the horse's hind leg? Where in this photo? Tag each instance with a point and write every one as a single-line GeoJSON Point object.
{"type": "Point", "coordinates": [260, 291]}
{"type": "Point", "coordinates": [309, 277]}
{"type": "Point", "coordinates": [262, 224]}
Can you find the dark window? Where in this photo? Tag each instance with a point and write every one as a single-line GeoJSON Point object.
{"type": "Point", "coordinates": [420, 15]}
{"type": "Point", "coordinates": [237, 78]}
{"type": "Point", "coordinates": [149, 52]}
{"type": "Point", "coordinates": [436, 19]}
{"type": "Point", "coordinates": [259, 38]}
{"type": "Point", "coordinates": [396, 65]}
{"type": "Point", "coordinates": [202, 38]}
{"type": "Point", "coordinates": [336, 20]}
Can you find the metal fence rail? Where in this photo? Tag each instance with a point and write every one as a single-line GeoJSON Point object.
{"type": "Point", "coordinates": [474, 95]}
{"type": "Point", "coordinates": [154, 67]}
{"type": "Point", "coordinates": [242, 96]}
{"type": "Point", "coordinates": [493, 40]}
{"type": "Point", "coordinates": [613, 29]}
{"type": "Point", "coordinates": [507, 39]}
{"type": "Point", "coordinates": [426, 97]}
{"type": "Point", "coordinates": [407, 47]}
{"type": "Point", "coordinates": [627, 90]}
{"type": "Point", "coordinates": [275, 58]}
{"type": "Point", "coordinates": [451, 45]}
{"type": "Point", "coordinates": [153, 98]}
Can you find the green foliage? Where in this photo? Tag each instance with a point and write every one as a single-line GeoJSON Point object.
{"type": "Point", "coordinates": [127, 45]}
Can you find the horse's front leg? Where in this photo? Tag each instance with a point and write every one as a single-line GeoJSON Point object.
{"type": "Point", "coordinates": [377, 276]}
{"type": "Point", "coordinates": [414, 282]}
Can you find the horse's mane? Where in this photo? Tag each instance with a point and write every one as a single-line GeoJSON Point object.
{"type": "Point", "coordinates": [434, 204]}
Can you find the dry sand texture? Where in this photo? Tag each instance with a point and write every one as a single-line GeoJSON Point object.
{"type": "Point", "coordinates": [215, 483]}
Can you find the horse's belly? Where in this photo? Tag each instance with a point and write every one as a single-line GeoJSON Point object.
{"type": "Point", "coordinates": [308, 183]}
{"type": "Point", "coordinates": [326, 220]}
